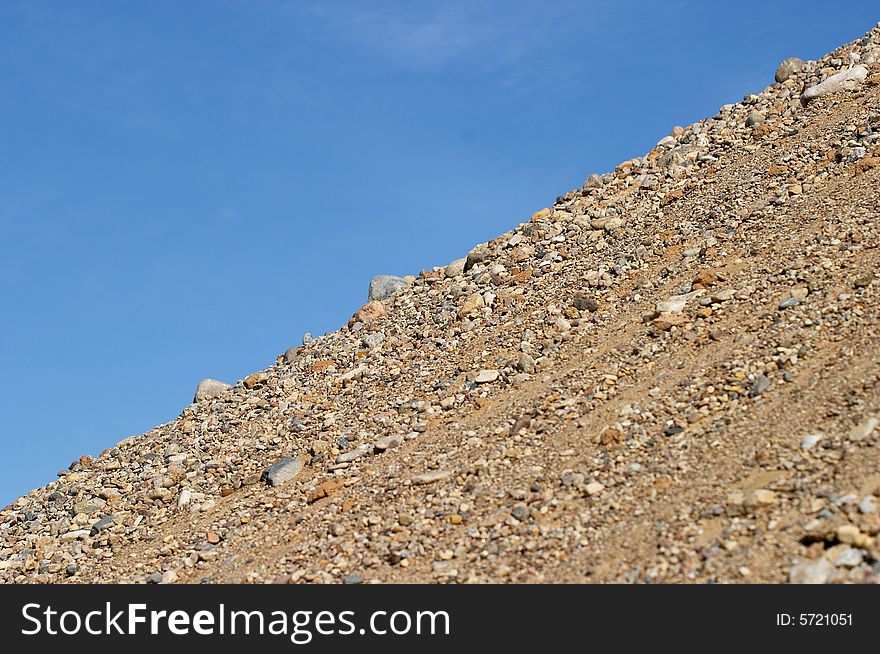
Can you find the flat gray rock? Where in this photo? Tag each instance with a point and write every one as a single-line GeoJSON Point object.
{"type": "Point", "coordinates": [283, 471]}
{"type": "Point", "coordinates": [383, 287]}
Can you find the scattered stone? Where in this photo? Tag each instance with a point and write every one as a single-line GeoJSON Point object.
{"type": "Point", "coordinates": [283, 471]}
{"type": "Point", "coordinates": [324, 489]}
{"type": "Point", "coordinates": [869, 505]}
{"type": "Point", "coordinates": [370, 312]}
{"type": "Point", "coordinates": [444, 569]}
{"type": "Point", "coordinates": [594, 488]}
{"type": "Point", "coordinates": [290, 355]}
{"type": "Point", "coordinates": [387, 443]}
{"type": "Point", "coordinates": [849, 534]}
{"type": "Point", "coordinates": [209, 389]}
{"type": "Point", "coordinates": [755, 118]}
{"type": "Point", "coordinates": [356, 453]}
{"type": "Point", "coordinates": [486, 376]}
{"type": "Point", "coordinates": [523, 422]}
{"type": "Point", "coordinates": [455, 268]}
{"type": "Point", "coordinates": [864, 429]}
{"type": "Point", "coordinates": [759, 385]}
{"type": "Point", "coordinates": [789, 303]}
{"type": "Point", "coordinates": [676, 304]}
{"type": "Point", "coordinates": [723, 295]}
{"type": "Point", "coordinates": [478, 255]}
{"type": "Point", "coordinates": [350, 580]}
{"type": "Point", "coordinates": [254, 380]}
{"type": "Point", "coordinates": [470, 305]}
{"type": "Point", "coordinates": [526, 363]}
{"type": "Point", "coordinates": [521, 513]}
{"type": "Point", "coordinates": [811, 572]}
{"type": "Point", "coordinates": [383, 287]}
{"type": "Point", "coordinates": [787, 68]}
{"type": "Point", "coordinates": [540, 215]}
{"type": "Point", "coordinates": [810, 441]}
{"type": "Point", "coordinates": [759, 498]}
{"type": "Point", "coordinates": [844, 80]}
{"type": "Point", "coordinates": [849, 557]}
{"type": "Point", "coordinates": [584, 302]}
{"type": "Point", "coordinates": [101, 525]}
{"type": "Point", "coordinates": [431, 477]}
{"type": "Point", "coordinates": [372, 341]}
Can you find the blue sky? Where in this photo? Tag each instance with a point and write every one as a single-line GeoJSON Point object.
{"type": "Point", "coordinates": [187, 188]}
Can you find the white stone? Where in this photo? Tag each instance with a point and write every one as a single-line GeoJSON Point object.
{"type": "Point", "coordinates": [844, 80]}
{"type": "Point", "coordinates": [810, 441]}
{"type": "Point", "coordinates": [485, 376]}
{"type": "Point", "coordinates": [811, 572]}
{"type": "Point", "coordinates": [594, 488]}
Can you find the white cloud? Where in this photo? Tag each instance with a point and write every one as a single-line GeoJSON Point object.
{"type": "Point", "coordinates": [508, 41]}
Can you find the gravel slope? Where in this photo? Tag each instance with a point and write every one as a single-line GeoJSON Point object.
{"type": "Point", "coordinates": [671, 375]}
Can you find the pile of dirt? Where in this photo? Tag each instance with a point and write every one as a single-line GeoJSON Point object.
{"type": "Point", "coordinates": [670, 375]}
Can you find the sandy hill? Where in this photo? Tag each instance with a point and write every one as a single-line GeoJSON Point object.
{"type": "Point", "coordinates": [671, 375]}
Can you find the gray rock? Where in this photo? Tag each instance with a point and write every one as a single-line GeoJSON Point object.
{"type": "Point", "coordinates": [759, 386]}
{"type": "Point", "coordinates": [383, 287]}
{"type": "Point", "coordinates": [455, 268]}
{"type": "Point", "coordinates": [102, 524]}
{"type": "Point", "coordinates": [168, 577]}
{"type": "Point", "coordinates": [283, 471]}
{"type": "Point", "coordinates": [290, 355]}
{"type": "Point", "coordinates": [676, 156]}
{"type": "Point", "coordinates": [374, 340]}
{"type": "Point", "coordinates": [594, 181]}
{"type": "Point", "coordinates": [356, 453]}
{"type": "Point", "coordinates": [844, 80]}
{"type": "Point", "coordinates": [852, 155]}
{"type": "Point", "coordinates": [811, 572]}
{"type": "Point", "coordinates": [789, 302]}
{"type": "Point", "coordinates": [868, 505]}
{"type": "Point", "coordinates": [584, 302]}
{"type": "Point", "coordinates": [755, 118]}
{"type": "Point", "coordinates": [521, 513]}
{"type": "Point", "coordinates": [209, 388]}
{"type": "Point", "coordinates": [526, 363]}
{"type": "Point", "coordinates": [307, 338]}
{"type": "Point", "coordinates": [387, 443]}
{"type": "Point", "coordinates": [353, 579]}
{"type": "Point", "coordinates": [478, 255]}
{"type": "Point", "coordinates": [788, 68]}
{"type": "Point", "coordinates": [849, 558]}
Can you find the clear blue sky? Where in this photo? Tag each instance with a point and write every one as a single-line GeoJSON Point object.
{"type": "Point", "coordinates": [188, 187]}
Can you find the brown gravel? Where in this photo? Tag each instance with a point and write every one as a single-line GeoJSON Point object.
{"type": "Point", "coordinates": [671, 375]}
